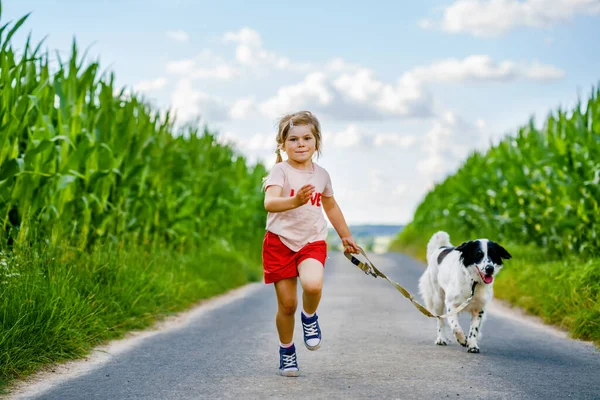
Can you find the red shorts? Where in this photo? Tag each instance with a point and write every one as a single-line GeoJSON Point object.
{"type": "Point", "coordinates": [279, 262]}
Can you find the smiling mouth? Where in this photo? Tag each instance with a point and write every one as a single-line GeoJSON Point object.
{"type": "Point", "coordinates": [487, 279]}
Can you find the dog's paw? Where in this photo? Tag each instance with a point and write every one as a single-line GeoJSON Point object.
{"type": "Point", "coordinates": [460, 338]}
{"type": "Point", "coordinates": [441, 341]}
{"type": "Point", "coordinates": [473, 349]}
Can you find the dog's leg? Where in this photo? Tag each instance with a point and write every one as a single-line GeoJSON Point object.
{"type": "Point", "coordinates": [441, 323]}
{"type": "Point", "coordinates": [474, 331]}
{"type": "Point", "coordinates": [453, 321]}
{"type": "Point", "coordinates": [456, 329]}
{"type": "Point", "coordinates": [441, 328]}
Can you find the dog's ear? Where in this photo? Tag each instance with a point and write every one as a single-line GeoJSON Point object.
{"type": "Point", "coordinates": [498, 251]}
{"type": "Point", "coordinates": [470, 252]}
{"type": "Point", "coordinates": [463, 246]}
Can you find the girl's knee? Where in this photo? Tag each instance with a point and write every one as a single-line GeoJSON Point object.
{"type": "Point", "coordinates": [312, 287]}
{"type": "Point", "coordinates": [288, 307]}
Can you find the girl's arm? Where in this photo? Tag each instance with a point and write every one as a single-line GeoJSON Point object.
{"type": "Point", "coordinates": [335, 216]}
{"type": "Point", "coordinates": [275, 203]}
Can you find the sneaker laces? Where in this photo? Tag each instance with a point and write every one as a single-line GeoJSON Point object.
{"type": "Point", "coordinates": [289, 360]}
{"type": "Point", "coordinates": [310, 329]}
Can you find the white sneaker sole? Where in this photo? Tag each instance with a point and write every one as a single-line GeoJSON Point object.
{"type": "Point", "coordinates": [289, 372]}
{"type": "Point", "coordinates": [313, 348]}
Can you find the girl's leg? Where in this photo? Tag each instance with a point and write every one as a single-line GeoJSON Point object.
{"type": "Point", "coordinates": [287, 301]}
{"type": "Point", "coordinates": [310, 271]}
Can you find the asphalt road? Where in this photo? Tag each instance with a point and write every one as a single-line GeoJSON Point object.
{"type": "Point", "coordinates": [375, 345]}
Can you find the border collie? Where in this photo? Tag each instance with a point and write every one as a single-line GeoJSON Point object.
{"type": "Point", "coordinates": [449, 278]}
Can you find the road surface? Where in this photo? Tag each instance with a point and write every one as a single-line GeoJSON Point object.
{"type": "Point", "coordinates": [375, 345]}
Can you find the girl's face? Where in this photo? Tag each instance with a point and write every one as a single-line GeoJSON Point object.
{"type": "Point", "coordinates": [300, 144]}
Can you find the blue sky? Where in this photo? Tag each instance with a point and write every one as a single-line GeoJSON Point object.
{"type": "Point", "coordinates": [404, 90]}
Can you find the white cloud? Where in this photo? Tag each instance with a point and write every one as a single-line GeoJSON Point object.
{"type": "Point", "coordinates": [242, 108]}
{"type": "Point", "coordinates": [352, 136]}
{"type": "Point", "coordinates": [245, 36]}
{"type": "Point", "coordinates": [178, 35]}
{"type": "Point", "coordinates": [352, 96]}
{"type": "Point", "coordinates": [495, 17]}
{"type": "Point", "coordinates": [388, 139]}
{"type": "Point", "coordinates": [147, 86]}
{"type": "Point", "coordinates": [426, 24]}
{"type": "Point", "coordinates": [407, 98]}
{"type": "Point", "coordinates": [448, 143]}
{"type": "Point", "coordinates": [339, 89]}
{"type": "Point", "coordinates": [190, 104]}
{"type": "Point", "coordinates": [223, 72]}
{"type": "Point", "coordinates": [483, 68]}
{"type": "Point", "coordinates": [250, 57]}
{"type": "Point", "coordinates": [262, 141]}
{"type": "Point", "coordinates": [359, 86]}
{"type": "Point", "coordinates": [375, 194]}
{"type": "Point", "coordinates": [313, 90]}
{"type": "Point", "coordinates": [399, 190]}
{"type": "Point", "coordinates": [543, 72]}
{"type": "Point", "coordinates": [250, 52]}
{"type": "Point", "coordinates": [258, 142]}
{"type": "Point", "coordinates": [338, 64]}
{"type": "Point", "coordinates": [180, 67]}
{"type": "Point", "coordinates": [206, 65]}
{"type": "Point", "coordinates": [259, 147]}
{"type": "Point", "coordinates": [355, 136]}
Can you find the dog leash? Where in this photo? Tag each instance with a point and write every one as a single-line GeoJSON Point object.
{"type": "Point", "coordinates": [370, 269]}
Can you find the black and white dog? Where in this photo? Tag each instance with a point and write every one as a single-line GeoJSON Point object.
{"type": "Point", "coordinates": [449, 278]}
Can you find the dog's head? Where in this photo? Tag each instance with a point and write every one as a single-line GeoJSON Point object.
{"type": "Point", "coordinates": [485, 255]}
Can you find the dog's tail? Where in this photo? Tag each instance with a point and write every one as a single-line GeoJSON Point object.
{"type": "Point", "coordinates": [438, 240]}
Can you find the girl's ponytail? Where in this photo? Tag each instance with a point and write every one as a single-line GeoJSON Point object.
{"type": "Point", "coordinates": [279, 158]}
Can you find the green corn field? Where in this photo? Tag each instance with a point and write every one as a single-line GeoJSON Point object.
{"type": "Point", "coordinates": [541, 187]}
{"type": "Point", "coordinates": [83, 165]}
{"type": "Point", "coordinates": [112, 215]}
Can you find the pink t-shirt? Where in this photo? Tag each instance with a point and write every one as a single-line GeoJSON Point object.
{"type": "Point", "coordinates": [305, 224]}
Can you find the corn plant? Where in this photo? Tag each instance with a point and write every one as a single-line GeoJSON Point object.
{"type": "Point", "coordinates": [540, 186]}
{"type": "Point", "coordinates": [81, 164]}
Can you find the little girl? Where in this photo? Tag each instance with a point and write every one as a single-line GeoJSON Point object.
{"type": "Point", "coordinates": [296, 192]}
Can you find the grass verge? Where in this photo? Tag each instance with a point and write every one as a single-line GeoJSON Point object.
{"type": "Point", "coordinates": [58, 303]}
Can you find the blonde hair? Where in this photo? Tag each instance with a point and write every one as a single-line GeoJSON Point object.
{"type": "Point", "coordinates": [287, 122]}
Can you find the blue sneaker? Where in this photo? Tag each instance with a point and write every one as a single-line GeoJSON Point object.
{"type": "Point", "coordinates": [288, 364]}
{"type": "Point", "coordinates": [312, 331]}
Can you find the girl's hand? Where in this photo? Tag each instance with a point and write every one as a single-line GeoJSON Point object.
{"type": "Point", "coordinates": [350, 245]}
{"type": "Point", "coordinates": [304, 194]}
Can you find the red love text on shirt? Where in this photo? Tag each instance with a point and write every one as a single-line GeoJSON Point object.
{"type": "Point", "coordinates": [315, 199]}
